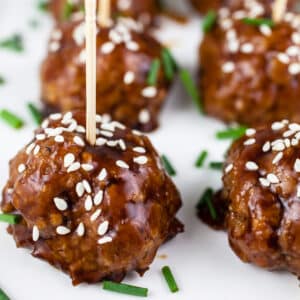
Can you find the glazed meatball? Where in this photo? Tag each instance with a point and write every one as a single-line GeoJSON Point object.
{"type": "Point", "coordinates": [96, 212]}
{"type": "Point", "coordinates": [142, 11]}
{"type": "Point", "coordinates": [125, 58]}
{"type": "Point", "coordinates": [250, 74]}
{"type": "Point", "coordinates": [262, 190]}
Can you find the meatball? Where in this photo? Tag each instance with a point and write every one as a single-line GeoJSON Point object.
{"type": "Point", "coordinates": [96, 212]}
{"type": "Point", "coordinates": [142, 11]}
{"type": "Point", "coordinates": [125, 58]}
{"type": "Point", "coordinates": [245, 66]}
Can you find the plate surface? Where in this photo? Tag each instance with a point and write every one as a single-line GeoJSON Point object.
{"type": "Point", "coordinates": [201, 259]}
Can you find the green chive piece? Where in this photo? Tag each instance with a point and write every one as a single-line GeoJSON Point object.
{"type": "Point", "coordinates": [10, 219]}
{"type": "Point", "coordinates": [231, 133]}
{"type": "Point", "coordinates": [3, 296]}
{"type": "Point", "coordinates": [125, 289]}
{"type": "Point", "coordinates": [35, 113]}
{"type": "Point", "coordinates": [259, 21]}
{"type": "Point", "coordinates": [153, 72]}
{"type": "Point", "coordinates": [206, 198]}
{"type": "Point", "coordinates": [43, 5]}
{"type": "Point", "coordinates": [170, 279]}
{"type": "Point", "coordinates": [209, 21]}
{"type": "Point", "coordinates": [201, 158]}
{"type": "Point", "coordinates": [168, 166]}
{"type": "Point", "coordinates": [216, 165]}
{"type": "Point", "coordinates": [14, 43]}
{"type": "Point", "coordinates": [191, 88]}
{"type": "Point", "coordinates": [169, 63]}
{"type": "Point", "coordinates": [68, 10]}
{"type": "Point", "coordinates": [11, 119]}
{"type": "Point", "coordinates": [2, 80]}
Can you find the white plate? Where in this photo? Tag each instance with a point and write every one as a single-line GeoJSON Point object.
{"type": "Point", "coordinates": [201, 259]}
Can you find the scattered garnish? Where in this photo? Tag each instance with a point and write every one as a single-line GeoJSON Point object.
{"type": "Point", "coordinates": [36, 114]}
{"type": "Point", "coordinates": [169, 63]}
{"type": "Point", "coordinates": [201, 158]}
{"type": "Point", "coordinates": [153, 72]}
{"type": "Point", "coordinates": [43, 5]}
{"type": "Point", "coordinates": [68, 10]}
{"type": "Point", "coordinates": [168, 166]}
{"type": "Point", "coordinates": [11, 119]}
{"type": "Point", "coordinates": [259, 21]}
{"type": "Point", "coordinates": [232, 133]}
{"type": "Point", "coordinates": [10, 219]}
{"type": "Point", "coordinates": [170, 279]}
{"type": "Point", "coordinates": [190, 87]}
{"type": "Point", "coordinates": [216, 165]}
{"type": "Point", "coordinates": [14, 43]}
{"type": "Point", "coordinates": [206, 198]}
{"type": "Point", "coordinates": [125, 289]}
{"type": "Point", "coordinates": [209, 21]}
{"type": "Point", "coordinates": [3, 296]}
{"type": "Point", "coordinates": [2, 80]}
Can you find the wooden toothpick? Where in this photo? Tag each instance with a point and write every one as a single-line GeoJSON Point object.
{"type": "Point", "coordinates": [278, 10]}
{"type": "Point", "coordinates": [91, 56]}
{"type": "Point", "coordinates": [104, 12]}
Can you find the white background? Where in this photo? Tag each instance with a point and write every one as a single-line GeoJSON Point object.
{"type": "Point", "coordinates": [201, 259]}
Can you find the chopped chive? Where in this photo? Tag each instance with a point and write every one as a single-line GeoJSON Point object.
{"type": "Point", "coordinates": [216, 165]}
{"type": "Point", "coordinates": [201, 158]}
{"type": "Point", "coordinates": [258, 21]}
{"type": "Point", "coordinates": [125, 289]}
{"type": "Point", "coordinates": [11, 119]}
{"type": "Point", "coordinates": [153, 72]}
{"type": "Point", "coordinates": [231, 133]}
{"type": "Point", "coordinates": [14, 43]}
{"type": "Point", "coordinates": [35, 113]}
{"type": "Point", "coordinates": [2, 80]}
{"type": "Point", "coordinates": [206, 198]}
{"type": "Point", "coordinates": [170, 279]}
{"type": "Point", "coordinates": [209, 21]}
{"type": "Point", "coordinates": [169, 63]}
{"type": "Point", "coordinates": [68, 10]}
{"type": "Point", "coordinates": [3, 296]}
{"type": "Point", "coordinates": [168, 166]}
{"type": "Point", "coordinates": [10, 218]}
{"type": "Point", "coordinates": [43, 5]}
{"type": "Point", "coordinates": [191, 88]}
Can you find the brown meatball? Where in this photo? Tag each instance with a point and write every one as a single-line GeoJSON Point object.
{"type": "Point", "coordinates": [125, 57]}
{"type": "Point", "coordinates": [143, 11]}
{"type": "Point", "coordinates": [262, 190]}
{"type": "Point", "coordinates": [94, 212]}
{"type": "Point", "coordinates": [248, 72]}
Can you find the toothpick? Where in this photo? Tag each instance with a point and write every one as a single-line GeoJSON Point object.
{"type": "Point", "coordinates": [278, 10]}
{"type": "Point", "coordinates": [104, 12]}
{"type": "Point", "coordinates": [91, 32]}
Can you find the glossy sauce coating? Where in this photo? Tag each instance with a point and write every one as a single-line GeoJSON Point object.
{"type": "Point", "coordinates": [94, 212]}
{"type": "Point", "coordinates": [124, 58]}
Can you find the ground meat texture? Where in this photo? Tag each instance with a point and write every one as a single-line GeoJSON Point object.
{"type": "Point", "coordinates": [96, 212]}
{"type": "Point", "coordinates": [125, 56]}
{"type": "Point", "coordinates": [142, 11]}
{"type": "Point", "coordinates": [262, 188]}
{"type": "Point", "coordinates": [250, 74]}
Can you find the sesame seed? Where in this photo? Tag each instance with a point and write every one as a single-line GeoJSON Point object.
{"type": "Point", "coordinates": [293, 51]}
{"type": "Point", "coordinates": [115, 37]}
{"type": "Point", "coordinates": [87, 186]}
{"type": "Point", "coordinates": [62, 230]}
{"type": "Point", "coordinates": [105, 240]}
{"type": "Point", "coordinates": [102, 175]}
{"type": "Point", "coordinates": [296, 37]}
{"type": "Point", "coordinates": [264, 182]}
{"type": "Point", "coordinates": [122, 144]}
{"type": "Point", "coordinates": [282, 57]}
{"type": "Point", "coordinates": [101, 141]}
{"type": "Point", "coordinates": [297, 165]}
{"type": "Point", "coordinates": [55, 117]}
{"type": "Point", "coordinates": [149, 92]}
{"type": "Point", "coordinates": [132, 46]}
{"type": "Point", "coordinates": [79, 189]}
{"type": "Point", "coordinates": [277, 158]}
{"type": "Point", "coordinates": [30, 148]}
{"type": "Point", "coordinates": [277, 126]}
{"type": "Point", "coordinates": [122, 164]}
{"type": "Point", "coordinates": [294, 127]}
{"type": "Point", "coordinates": [67, 117]}
{"type": "Point", "coordinates": [272, 178]}
{"type": "Point", "coordinates": [87, 167]}
{"type": "Point", "coordinates": [54, 46]}
{"type": "Point", "coordinates": [265, 30]}
{"type": "Point", "coordinates": [80, 229]}
{"type": "Point", "coordinates": [21, 168]}
{"type": "Point", "coordinates": [250, 131]}
{"type": "Point", "coordinates": [112, 143]}
{"type": "Point", "coordinates": [233, 46]}
{"type": "Point", "coordinates": [107, 47]}
{"type": "Point", "coordinates": [249, 142]}
{"type": "Point", "coordinates": [35, 233]}
{"type": "Point", "coordinates": [124, 4]}
{"type": "Point", "coordinates": [80, 129]}
{"type": "Point", "coordinates": [36, 149]}
{"type": "Point", "coordinates": [69, 159]}
{"type": "Point", "coordinates": [88, 204]}
{"type": "Point", "coordinates": [287, 143]}
{"type": "Point", "coordinates": [59, 139]}
{"type": "Point", "coordinates": [40, 137]}
{"type": "Point", "coordinates": [251, 166]}
{"type": "Point", "coordinates": [98, 198]}
{"type": "Point", "coordinates": [294, 68]}
{"type": "Point", "coordinates": [56, 34]}
{"type": "Point", "coordinates": [295, 142]}
{"type": "Point", "coordinates": [95, 215]}
{"type": "Point", "coordinates": [139, 149]}
{"type": "Point", "coordinates": [129, 77]}
{"type": "Point", "coordinates": [60, 203]}
{"type": "Point", "coordinates": [136, 132]}
{"type": "Point", "coordinates": [79, 34]}
{"type": "Point", "coordinates": [103, 227]}
{"type": "Point", "coordinates": [247, 48]}
{"type": "Point", "coordinates": [278, 146]}
{"type": "Point", "coordinates": [108, 126]}
{"type": "Point", "coordinates": [228, 168]}
{"type": "Point", "coordinates": [228, 67]}
{"type": "Point", "coordinates": [74, 167]}
{"type": "Point", "coordinates": [144, 116]}
{"type": "Point", "coordinates": [106, 133]}
{"type": "Point", "coordinates": [288, 133]}
{"type": "Point", "coordinates": [141, 160]}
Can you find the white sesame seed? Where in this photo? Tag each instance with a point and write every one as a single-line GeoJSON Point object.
{"type": "Point", "coordinates": [101, 141]}
{"type": "Point", "coordinates": [95, 215]}
{"type": "Point", "coordinates": [249, 142]}
{"type": "Point", "coordinates": [45, 124]}
{"type": "Point", "coordinates": [250, 131]}
{"type": "Point", "coordinates": [132, 46]}
{"type": "Point", "coordinates": [136, 132]}
{"type": "Point", "coordinates": [144, 116]}
{"type": "Point", "coordinates": [106, 133]}
{"type": "Point", "coordinates": [74, 167]}
{"type": "Point", "coordinates": [233, 46]}
{"type": "Point", "coordinates": [112, 143]}
{"type": "Point", "coordinates": [122, 144]}
{"type": "Point", "coordinates": [80, 129]}
{"type": "Point", "coordinates": [294, 68]}
{"type": "Point", "coordinates": [56, 34]}
{"type": "Point", "coordinates": [98, 198]}
{"type": "Point", "coordinates": [251, 166]}
{"type": "Point", "coordinates": [88, 204]}
{"type": "Point", "coordinates": [277, 158]}
{"type": "Point", "coordinates": [129, 77]}
{"type": "Point", "coordinates": [59, 139]}
{"type": "Point", "coordinates": [79, 189]}
{"type": "Point", "coordinates": [103, 227]}
{"type": "Point", "coordinates": [287, 143]}
{"type": "Point", "coordinates": [35, 233]}
{"type": "Point", "coordinates": [149, 92]}
{"type": "Point", "coordinates": [295, 142]}
{"type": "Point", "coordinates": [294, 127]}
{"type": "Point", "coordinates": [124, 4]}
{"type": "Point", "coordinates": [107, 47]}
{"type": "Point", "coordinates": [122, 164]}
{"type": "Point", "coordinates": [115, 37]}
{"type": "Point", "coordinates": [40, 137]}
{"type": "Point", "coordinates": [139, 149]}
{"type": "Point", "coordinates": [296, 37]}
{"type": "Point", "coordinates": [105, 240]}
{"type": "Point", "coordinates": [297, 165]}
{"type": "Point", "coordinates": [265, 30]}
{"type": "Point", "coordinates": [67, 118]}
{"type": "Point", "coordinates": [87, 167]}
{"type": "Point", "coordinates": [228, 168]}
{"type": "Point", "coordinates": [80, 229]}
{"type": "Point", "coordinates": [282, 57]}
{"type": "Point", "coordinates": [62, 230]}
{"type": "Point", "coordinates": [272, 178]}
{"type": "Point", "coordinates": [79, 34]}
{"type": "Point", "coordinates": [108, 126]}
{"type": "Point", "coordinates": [293, 51]}
{"type": "Point", "coordinates": [264, 182]}
{"type": "Point", "coordinates": [228, 67]}
{"type": "Point", "coordinates": [288, 133]}
{"type": "Point", "coordinates": [21, 168]}
{"type": "Point", "coordinates": [69, 159]}
{"type": "Point", "coordinates": [278, 146]}
{"type": "Point", "coordinates": [277, 126]}
{"type": "Point", "coordinates": [55, 117]}
{"type": "Point", "coordinates": [54, 46]}
{"type": "Point", "coordinates": [141, 160]}
{"type": "Point", "coordinates": [61, 204]}
{"type": "Point", "coordinates": [30, 148]}
{"type": "Point", "coordinates": [266, 147]}
{"type": "Point", "coordinates": [247, 48]}
{"type": "Point", "coordinates": [102, 175]}
{"type": "Point", "coordinates": [36, 149]}
{"type": "Point", "coordinates": [87, 186]}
